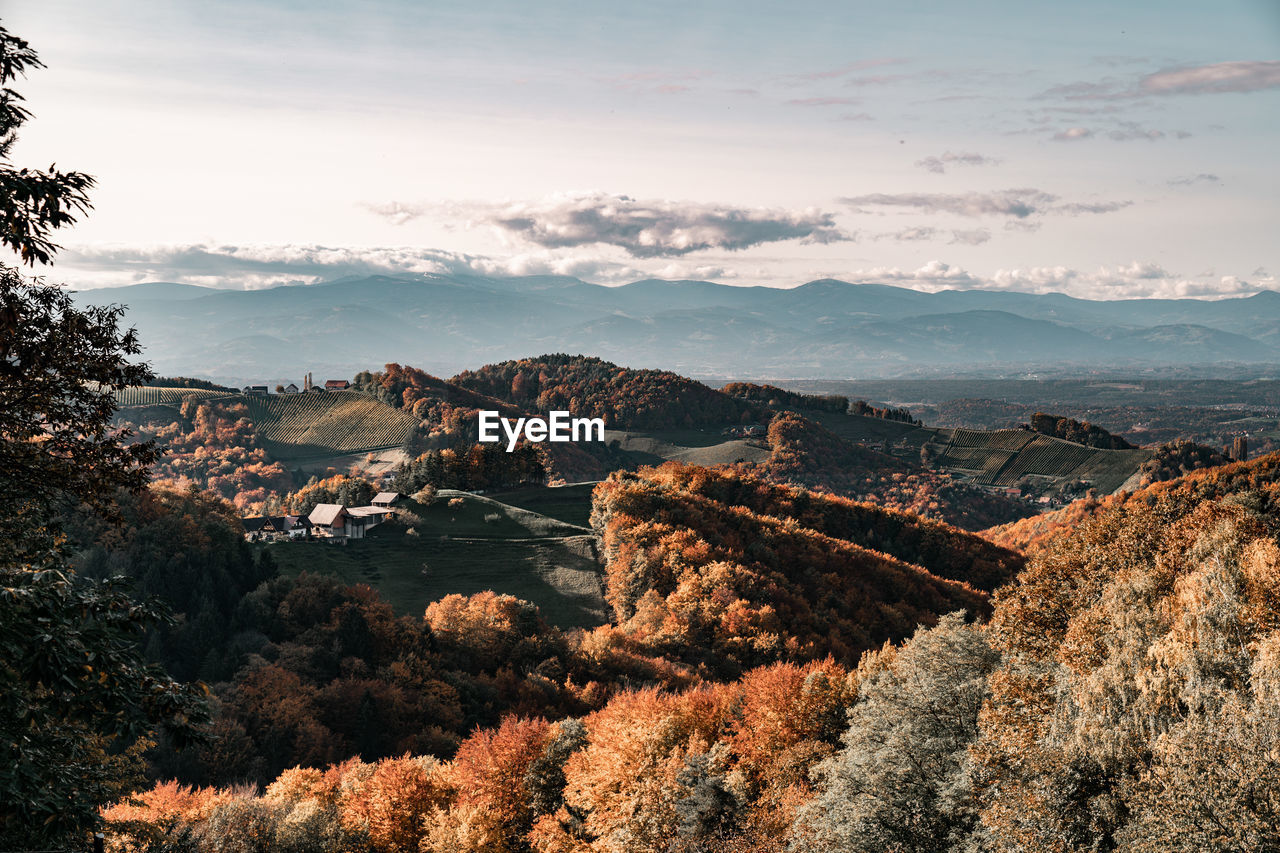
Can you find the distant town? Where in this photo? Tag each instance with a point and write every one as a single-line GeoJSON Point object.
{"type": "Point", "coordinates": [308, 387]}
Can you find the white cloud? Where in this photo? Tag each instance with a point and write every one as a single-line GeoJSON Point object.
{"type": "Point", "coordinates": [1071, 134]}
{"type": "Point", "coordinates": [1217, 78]}
{"type": "Point", "coordinates": [256, 266]}
{"type": "Point", "coordinates": [1135, 280]}
{"type": "Point", "coordinates": [1018, 204]}
{"type": "Point", "coordinates": [396, 212]}
{"type": "Point", "coordinates": [652, 228]}
{"type": "Point", "coordinates": [1247, 76]}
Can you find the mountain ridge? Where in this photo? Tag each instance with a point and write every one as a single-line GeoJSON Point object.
{"type": "Point", "coordinates": [825, 328]}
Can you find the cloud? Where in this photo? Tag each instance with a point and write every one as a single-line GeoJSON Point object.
{"type": "Point", "coordinates": [1215, 79]}
{"type": "Point", "coordinates": [1124, 131]}
{"type": "Point", "coordinates": [1135, 280]}
{"type": "Point", "coordinates": [1189, 180]}
{"type": "Point", "coordinates": [653, 229]}
{"type": "Point", "coordinates": [1248, 76]}
{"type": "Point", "coordinates": [823, 102]}
{"type": "Point", "coordinates": [908, 235]}
{"type": "Point", "coordinates": [1019, 204]}
{"type": "Point", "coordinates": [1076, 208]}
{"type": "Point", "coordinates": [1071, 134]}
{"type": "Point", "coordinates": [857, 117]}
{"type": "Point", "coordinates": [935, 275]}
{"type": "Point", "coordinates": [971, 238]}
{"type": "Point", "coordinates": [920, 233]}
{"type": "Point", "coordinates": [964, 158]}
{"type": "Point", "coordinates": [252, 267]}
{"type": "Point", "coordinates": [1129, 130]}
{"type": "Point", "coordinates": [257, 266]}
{"type": "Point", "coordinates": [395, 212]}
{"type": "Point", "coordinates": [1109, 88]}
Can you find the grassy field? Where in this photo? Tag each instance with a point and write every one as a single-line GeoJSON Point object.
{"type": "Point", "coordinates": [656, 447]}
{"type": "Point", "coordinates": [995, 457]}
{"type": "Point", "coordinates": [571, 504]}
{"type": "Point", "coordinates": [473, 545]}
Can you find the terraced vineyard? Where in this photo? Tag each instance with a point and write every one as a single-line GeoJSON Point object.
{"type": "Point", "coordinates": [1004, 457]}
{"type": "Point", "coordinates": [336, 422]}
{"type": "Point", "coordinates": [145, 395]}
{"type": "Point", "coordinates": [297, 426]}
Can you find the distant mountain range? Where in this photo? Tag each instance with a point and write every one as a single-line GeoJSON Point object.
{"type": "Point", "coordinates": [823, 329]}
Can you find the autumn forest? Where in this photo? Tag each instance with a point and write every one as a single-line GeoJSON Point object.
{"type": "Point", "coordinates": [753, 618]}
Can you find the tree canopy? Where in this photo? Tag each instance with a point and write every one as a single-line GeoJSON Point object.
{"type": "Point", "coordinates": [78, 702]}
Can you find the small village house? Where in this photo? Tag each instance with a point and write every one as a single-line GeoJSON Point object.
{"type": "Point", "coordinates": [340, 523]}
{"type": "Point", "coordinates": [336, 385]}
{"type": "Point", "coordinates": [275, 528]}
{"type": "Point", "coordinates": [330, 520]}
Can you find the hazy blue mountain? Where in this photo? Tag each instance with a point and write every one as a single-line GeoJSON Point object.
{"type": "Point", "coordinates": [824, 328]}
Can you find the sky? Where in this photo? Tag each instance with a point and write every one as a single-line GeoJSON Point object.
{"type": "Point", "coordinates": [1101, 149]}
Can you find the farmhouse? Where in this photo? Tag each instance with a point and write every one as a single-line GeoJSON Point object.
{"type": "Point", "coordinates": [336, 385]}
{"type": "Point", "coordinates": [258, 390]}
{"type": "Point", "coordinates": [340, 523]}
{"type": "Point", "coordinates": [291, 388]}
{"type": "Point", "coordinates": [275, 528]}
{"type": "Point", "coordinates": [386, 499]}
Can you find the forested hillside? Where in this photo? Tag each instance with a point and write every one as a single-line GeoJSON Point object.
{"type": "Point", "coordinates": [1121, 695]}
{"type": "Point", "coordinates": [591, 387]}
{"type": "Point", "coordinates": [722, 586]}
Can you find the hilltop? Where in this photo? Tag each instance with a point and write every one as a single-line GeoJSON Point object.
{"type": "Point", "coordinates": [824, 328]}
